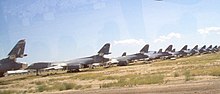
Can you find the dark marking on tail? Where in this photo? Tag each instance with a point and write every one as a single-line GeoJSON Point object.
{"type": "Point", "coordinates": [104, 50]}
{"type": "Point", "coordinates": [145, 49]}
{"type": "Point", "coordinates": [160, 51]}
{"type": "Point", "coordinates": [124, 54]}
{"type": "Point", "coordinates": [169, 48]}
{"type": "Point", "coordinates": [18, 50]}
{"type": "Point", "coordinates": [184, 48]}
{"type": "Point", "coordinates": [196, 47]}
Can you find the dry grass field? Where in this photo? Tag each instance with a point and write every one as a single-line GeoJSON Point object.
{"type": "Point", "coordinates": [196, 74]}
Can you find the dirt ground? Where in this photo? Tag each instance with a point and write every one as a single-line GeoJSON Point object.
{"type": "Point", "coordinates": [191, 87]}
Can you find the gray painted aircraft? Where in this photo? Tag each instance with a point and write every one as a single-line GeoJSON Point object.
{"type": "Point", "coordinates": [125, 59]}
{"type": "Point", "coordinates": [180, 53]}
{"type": "Point", "coordinates": [202, 50]}
{"type": "Point", "coordinates": [39, 66]}
{"type": "Point", "coordinates": [75, 65]}
{"type": "Point", "coordinates": [10, 62]}
{"type": "Point", "coordinates": [209, 49]}
{"type": "Point", "coordinates": [192, 51]}
{"type": "Point", "coordinates": [159, 54]}
{"type": "Point", "coordinates": [214, 49]}
{"type": "Point", "coordinates": [186, 52]}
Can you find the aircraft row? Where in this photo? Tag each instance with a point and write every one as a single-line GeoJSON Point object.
{"type": "Point", "coordinates": [9, 65]}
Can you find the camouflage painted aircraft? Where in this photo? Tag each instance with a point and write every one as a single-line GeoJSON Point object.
{"type": "Point", "coordinates": [10, 62]}
{"type": "Point", "coordinates": [125, 59]}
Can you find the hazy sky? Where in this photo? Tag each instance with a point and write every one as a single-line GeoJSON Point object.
{"type": "Point", "coordinates": [57, 30]}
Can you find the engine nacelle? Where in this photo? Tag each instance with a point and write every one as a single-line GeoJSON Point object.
{"type": "Point", "coordinates": [122, 63]}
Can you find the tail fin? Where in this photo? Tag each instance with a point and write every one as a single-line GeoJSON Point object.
{"type": "Point", "coordinates": [196, 47]}
{"type": "Point", "coordinates": [104, 50]}
{"type": "Point", "coordinates": [124, 54]}
{"type": "Point", "coordinates": [203, 47]}
{"type": "Point", "coordinates": [173, 50]}
{"type": "Point", "coordinates": [184, 48]}
{"type": "Point", "coordinates": [18, 50]}
{"type": "Point", "coordinates": [169, 48]}
{"type": "Point", "coordinates": [215, 47]}
{"type": "Point", "coordinates": [160, 51]}
{"type": "Point", "coordinates": [145, 49]}
{"type": "Point", "coordinates": [210, 46]}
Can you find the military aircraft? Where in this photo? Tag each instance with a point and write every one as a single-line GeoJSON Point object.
{"type": "Point", "coordinates": [10, 62]}
{"type": "Point", "coordinates": [75, 65]}
{"type": "Point", "coordinates": [39, 66]}
{"type": "Point", "coordinates": [209, 49]}
{"type": "Point", "coordinates": [160, 54]}
{"type": "Point", "coordinates": [125, 59]}
{"type": "Point", "coordinates": [181, 53]}
{"type": "Point", "coordinates": [192, 51]}
{"type": "Point", "coordinates": [202, 50]}
{"type": "Point", "coordinates": [214, 49]}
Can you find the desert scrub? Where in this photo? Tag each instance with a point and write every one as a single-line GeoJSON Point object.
{"type": "Point", "coordinates": [87, 76]}
{"type": "Point", "coordinates": [108, 78]}
{"type": "Point", "coordinates": [41, 88]}
{"type": "Point", "coordinates": [187, 75]}
{"type": "Point", "coordinates": [65, 86]}
{"type": "Point", "coordinates": [210, 70]}
{"type": "Point", "coordinates": [133, 80]}
{"type": "Point", "coordinates": [176, 74]}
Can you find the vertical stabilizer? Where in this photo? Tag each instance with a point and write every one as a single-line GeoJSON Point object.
{"type": "Point", "coordinates": [160, 51]}
{"type": "Point", "coordinates": [210, 47]}
{"type": "Point", "coordinates": [18, 50]}
{"type": "Point", "coordinates": [203, 47]}
{"type": "Point", "coordinates": [196, 47]}
{"type": "Point", "coordinates": [169, 48]}
{"type": "Point", "coordinates": [184, 48]}
{"type": "Point", "coordinates": [104, 50]}
{"type": "Point", "coordinates": [145, 49]}
{"type": "Point", "coordinates": [124, 54]}
{"type": "Point", "coordinates": [173, 50]}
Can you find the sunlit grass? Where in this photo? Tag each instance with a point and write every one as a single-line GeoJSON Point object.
{"type": "Point", "coordinates": [134, 79]}
{"type": "Point", "coordinates": [159, 72]}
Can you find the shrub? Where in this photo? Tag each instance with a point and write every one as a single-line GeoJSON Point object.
{"type": "Point", "coordinates": [41, 88]}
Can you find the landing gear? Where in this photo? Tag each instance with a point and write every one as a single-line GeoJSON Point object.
{"type": "Point", "coordinates": [73, 70]}
{"type": "Point", "coordinates": [123, 63]}
{"type": "Point", "coordinates": [1, 74]}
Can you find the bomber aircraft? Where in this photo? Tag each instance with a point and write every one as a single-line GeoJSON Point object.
{"type": "Point", "coordinates": [125, 59]}
{"type": "Point", "coordinates": [159, 54]}
{"type": "Point", "coordinates": [75, 65]}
